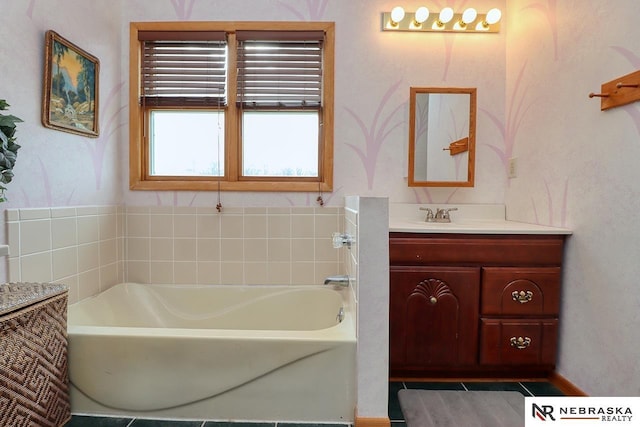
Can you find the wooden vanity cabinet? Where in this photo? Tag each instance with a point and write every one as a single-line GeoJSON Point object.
{"type": "Point", "coordinates": [474, 305]}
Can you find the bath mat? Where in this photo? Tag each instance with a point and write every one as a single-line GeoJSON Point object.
{"type": "Point", "coordinates": [448, 408]}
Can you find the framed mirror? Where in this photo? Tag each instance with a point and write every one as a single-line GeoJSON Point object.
{"type": "Point", "coordinates": [442, 137]}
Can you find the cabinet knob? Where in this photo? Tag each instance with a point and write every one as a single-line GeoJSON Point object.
{"type": "Point", "coordinates": [522, 297]}
{"type": "Point", "coordinates": [520, 343]}
{"type": "Point", "coordinates": [433, 300]}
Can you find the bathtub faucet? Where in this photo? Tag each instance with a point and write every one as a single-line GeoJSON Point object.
{"type": "Point", "coordinates": [337, 280]}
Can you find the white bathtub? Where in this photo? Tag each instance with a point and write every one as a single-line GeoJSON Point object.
{"type": "Point", "coordinates": [272, 353]}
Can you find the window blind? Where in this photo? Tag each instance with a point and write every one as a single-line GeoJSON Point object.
{"type": "Point", "coordinates": [183, 68]}
{"type": "Point", "coordinates": [279, 69]}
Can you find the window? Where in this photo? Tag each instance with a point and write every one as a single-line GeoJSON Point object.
{"type": "Point", "coordinates": [231, 106]}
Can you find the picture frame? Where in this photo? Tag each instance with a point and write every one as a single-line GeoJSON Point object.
{"type": "Point", "coordinates": [70, 95]}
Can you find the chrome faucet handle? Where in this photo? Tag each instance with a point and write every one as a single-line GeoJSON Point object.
{"type": "Point", "coordinates": [445, 214]}
{"type": "Point", "coordinates": [442, 215]}
{"type": "Point", "coordinates": [429, 217]}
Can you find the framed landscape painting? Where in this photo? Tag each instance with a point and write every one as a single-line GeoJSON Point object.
{"type": "Point", "coordinates": [70, 100]}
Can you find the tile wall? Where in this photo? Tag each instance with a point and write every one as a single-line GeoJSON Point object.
{"type": "Point", "coordinates": [351, 254]}
{"type": "Point", "coordinates": [91, 248]}
{"type": "Point", "coordinates": [186, 245]}
{"type": "Point", "coordinates": [82, 247]}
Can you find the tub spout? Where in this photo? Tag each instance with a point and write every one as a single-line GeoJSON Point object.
{"type": "Point", "coordinates": [337, 280]}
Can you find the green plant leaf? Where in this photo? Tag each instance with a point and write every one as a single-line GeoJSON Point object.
{"type": "Point", "coordinates": [10, 155]}
{"type": "Point", "coordinates": [9, 121]}
{"type": "Point", "coordinates": [13, 147]}
{"type": "Point", "coordinates": [6, 176]}
{"type": "Point", "coordinates": [8, 147]}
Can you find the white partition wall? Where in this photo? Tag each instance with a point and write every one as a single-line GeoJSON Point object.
{"type": "Point", "coordinates": [367, 218]}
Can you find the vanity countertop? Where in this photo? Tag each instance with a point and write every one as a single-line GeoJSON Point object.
{"type": "Point", "coordinates": [468, 219]}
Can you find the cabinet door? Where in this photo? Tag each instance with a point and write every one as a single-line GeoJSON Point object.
{"type": "Point", "coordinates": [433, 316]}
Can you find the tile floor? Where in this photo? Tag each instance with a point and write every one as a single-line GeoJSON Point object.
{"type": "Point", "coordinates": [395, 413]}
{"type": "Point", "coordinates": [88, 421]}
{"type": "Point", "coordinates": [526, 388]}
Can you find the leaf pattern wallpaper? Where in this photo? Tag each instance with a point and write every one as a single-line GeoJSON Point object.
{"type": "Point", "coordinates": [574, 160]}
{"type": "Point", "coordinates": [577, 166]}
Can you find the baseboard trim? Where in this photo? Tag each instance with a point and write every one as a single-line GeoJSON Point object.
{"type": "Point", "coordinates": [372, 422]}
{"type": "Point", "coordinates": [565, 386]}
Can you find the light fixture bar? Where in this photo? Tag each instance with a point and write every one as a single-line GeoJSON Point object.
{"type": "Point", "coordinates": [408, 23]}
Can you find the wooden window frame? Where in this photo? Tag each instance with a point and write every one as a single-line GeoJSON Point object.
{"type": "Point", "coordinates": [139, 177]}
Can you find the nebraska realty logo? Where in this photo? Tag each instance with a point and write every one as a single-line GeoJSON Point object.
{"type": "Point", "coordinates": [581, 411]}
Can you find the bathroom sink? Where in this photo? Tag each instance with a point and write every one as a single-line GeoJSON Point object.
{"type": "Point", "coordinates": [459, 225]}
{"type": "Point", "coordinates": [472, 226]}
{"type": "Point", "coordinates": [465, 219]}
{"type": "Point", "coordinates": [452, 224]}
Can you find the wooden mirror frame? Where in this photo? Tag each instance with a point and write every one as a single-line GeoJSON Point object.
{"type": "Point", "coordinates": [412, 182]}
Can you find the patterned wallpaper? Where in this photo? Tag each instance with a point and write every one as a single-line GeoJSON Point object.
{"type": "Point", "coordinates": [373, 74]}
{"type": "Point", "coordinates": [578, 168]}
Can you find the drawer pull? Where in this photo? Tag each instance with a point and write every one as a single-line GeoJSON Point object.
{"type": "Point", "coordinates": [520, 343]}
{"type": "Point", "coordinates": [433, 300]}
{"type": "Point", "coordinates": [522, 297]}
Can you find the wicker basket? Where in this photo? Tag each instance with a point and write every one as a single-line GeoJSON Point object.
{"type": "Point", "coordinates": [34, 387]}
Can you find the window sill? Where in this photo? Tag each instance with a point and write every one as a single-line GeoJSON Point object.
{"type": "Point", "coordinates": [275, 186]}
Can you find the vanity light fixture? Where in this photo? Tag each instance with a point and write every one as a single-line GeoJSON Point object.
{"type": "Point", "coordinates": [444, 17]}
{"type": "Point", "coordinates": [468, 16]}
{"type": "Point", "coordinates": [447, 20]}
{"type": "Point", "coordinates": [397, 15]}
{"type": "Point", "coordinates": [421, 15]}
{"type": "Point", "coordinates": [492, 18]}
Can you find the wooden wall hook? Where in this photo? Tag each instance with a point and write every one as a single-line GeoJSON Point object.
{"type": "Point", "coordinates": [621, 85]}
{"type": "Point", "coordinates": [459, 146]}
{"type": "Point", "coordinates": [620, 91]}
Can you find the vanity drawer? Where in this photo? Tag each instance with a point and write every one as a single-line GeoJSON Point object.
{"type": "Point", "coordinates": [470, 249]}
{"type": "Point", "coordinates": [520, 291]}
{"type": "Point", "coordinates": [518, 342]}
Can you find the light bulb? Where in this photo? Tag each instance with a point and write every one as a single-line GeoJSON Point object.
{"type": "Point", "coordinates": [493, 16]}
{"type": "Point", "coordinates": [446, 15]}
{"type": "Point", "coordinates": [469, 15]}
{"type": "Point", "coordinates": [421, 15]}
{"type": "Point", "coordinates": [397, 15]}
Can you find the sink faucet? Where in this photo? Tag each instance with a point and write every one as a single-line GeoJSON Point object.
{"type": "Point", "coordinates": [442, 215]}
{"type": "Point", "coordinates": [342, 280]}
{"type": "Point", "coordinates": [429, 217]}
